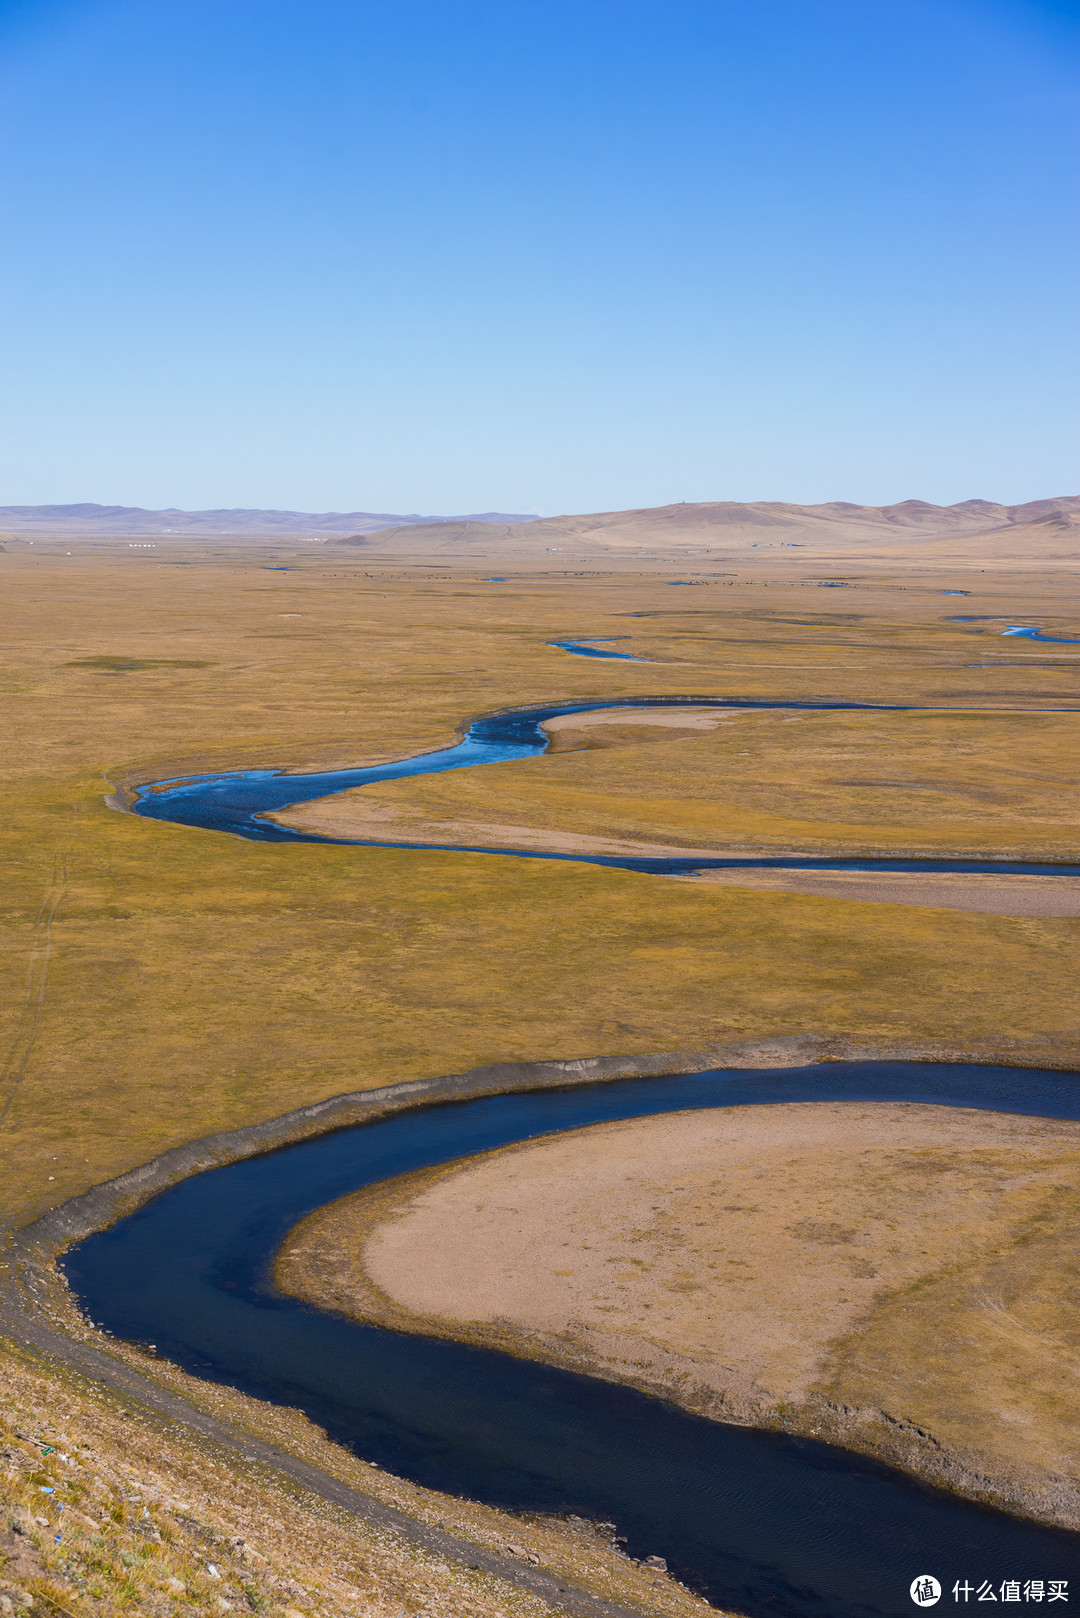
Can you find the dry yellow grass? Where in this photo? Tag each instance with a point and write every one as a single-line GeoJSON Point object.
{"type": "Point", "coordinates": [941, 782]}
{"type": "Point", "coordinates": [196, 982]}
{"type": "Point", "coordinates": [160, 983]}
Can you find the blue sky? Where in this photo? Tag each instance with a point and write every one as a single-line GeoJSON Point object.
{"type": "Point", "coordinates": [451, 255]}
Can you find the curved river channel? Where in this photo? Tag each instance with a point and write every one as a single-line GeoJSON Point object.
{"type": "Point", "coordinates": [761, 1522]}
{"type": "Point", "coordinates": [234, 801]}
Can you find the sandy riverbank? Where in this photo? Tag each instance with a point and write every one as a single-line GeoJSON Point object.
{"type": "Point", "coordinates": [1044, 896]}
{"type": "Point", "coordinates": [348, 815]}
{"type": "Point", "coordinates": [363, 814]}
{"type": "Point", "coordinates": [896, 1278]}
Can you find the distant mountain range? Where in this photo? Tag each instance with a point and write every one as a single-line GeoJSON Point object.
{"type": "Point", "coordinates": [236, 523]}
{"type": "Point", "coordinates": [764, 530]}
{"type": "Point", "coordinates": [970, 533]}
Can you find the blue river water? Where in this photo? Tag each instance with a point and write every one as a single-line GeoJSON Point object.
{"type": "Point", "coordinates": [1024, 632]}
{"type": "Point", "coordinates": [591, 648]}
{"type": "Point", "coordinates": [762, 1522]}
{"type": "Point", "coordinates": [771, 1525]}
{"type": "Point", "coordinates": [1017, 632]}
{"type": "Point", "coordinates": [234, 801]}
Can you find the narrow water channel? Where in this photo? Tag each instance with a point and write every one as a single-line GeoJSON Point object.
{"type": "Point", "coordinates": [235, 800]}
{"type": "Point", "coordinates": [1026, 632]}
{"type": "Point", "coordinates": [595, 648]}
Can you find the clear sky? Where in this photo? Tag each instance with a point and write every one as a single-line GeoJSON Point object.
{"type": "Point", "coordinates": [537, 255]}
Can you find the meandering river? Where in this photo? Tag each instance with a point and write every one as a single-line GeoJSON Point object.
{"type": "Point", "coordinates": [759, 1521]}
{"type": "Point", "coordinates": [236, 800]}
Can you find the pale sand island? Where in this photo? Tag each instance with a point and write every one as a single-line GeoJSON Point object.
{"type": "Point", "coordinates": [355, 814]}
{"type": "Point", "coordinates": [900, 1279]}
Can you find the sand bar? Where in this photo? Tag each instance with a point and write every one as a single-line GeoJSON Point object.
{"type": "Point", "coordinates": [916, 1260]}
{"type": "Point", "coordinates": [1044, 896]}
{"type": "Point", "coordinates": [353, 815]}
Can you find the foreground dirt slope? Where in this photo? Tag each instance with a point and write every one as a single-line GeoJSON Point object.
{"type": "Point", "coordinates": [766, 1264]}
{"type": "Point", "coordinates": [106, 1510]}
{"type": "Point", "coordinates": [105, 1515]}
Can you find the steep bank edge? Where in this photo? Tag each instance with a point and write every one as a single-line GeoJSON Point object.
{"type": "Point", "coordinates": [701, 1387]}
{"type": "Point", "coordinates": [35, 1305]}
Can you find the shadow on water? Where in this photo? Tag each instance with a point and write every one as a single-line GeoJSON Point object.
{"type": "Point", "coordinates": [758, 1521]}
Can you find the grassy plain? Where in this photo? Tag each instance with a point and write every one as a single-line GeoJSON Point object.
{"type": "Point", "coordinates": [160, 983]}
{"type": "Point", "coordinates": [967, 782]}
{"type": "Point", "coordinates": [163, 982]}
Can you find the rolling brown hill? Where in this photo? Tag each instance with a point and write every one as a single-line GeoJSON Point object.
{"type": "Point", "coordinates": [969, 533]}
{"type": "Point", "coordinates": [766, 533]}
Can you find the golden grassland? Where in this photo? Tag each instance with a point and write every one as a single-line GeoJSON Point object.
{"type": "Point", "coordinates": [160, 983]}
{"type": "Point", "coordinates": [773, 1265]}
{"type": "Point", "coordinates": [197, 982]}
{"type": "Point", "coordinates": [965, 782]}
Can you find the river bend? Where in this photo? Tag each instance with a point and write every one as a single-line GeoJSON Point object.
{"type": "Point", "coordinates": [759, 1521]}
{"type": "Point", "coordinates": [236, 800]}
